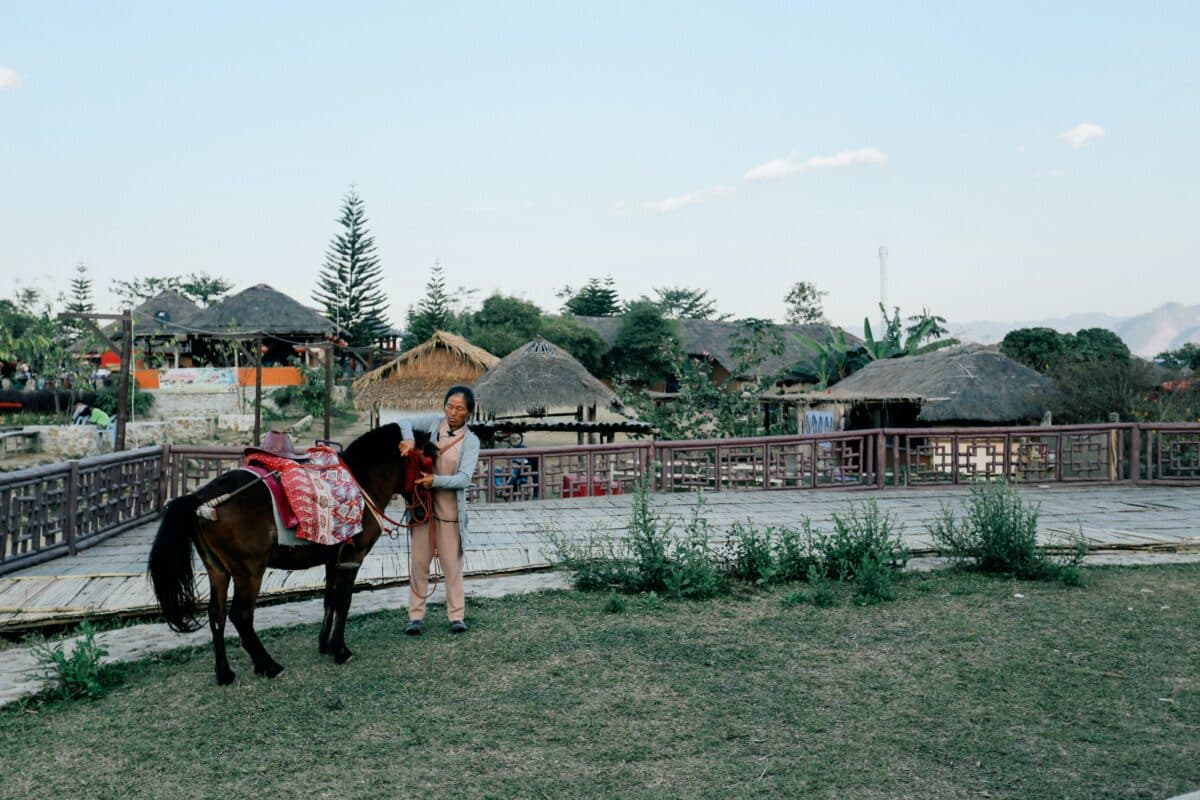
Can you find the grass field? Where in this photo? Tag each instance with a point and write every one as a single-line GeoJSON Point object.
{"type": "Point", "coordinates": [960, 688]}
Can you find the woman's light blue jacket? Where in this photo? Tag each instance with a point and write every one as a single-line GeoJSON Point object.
{"type": "Point", "coordinates": [465, 471]}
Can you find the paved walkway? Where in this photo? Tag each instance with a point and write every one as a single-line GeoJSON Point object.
{"type": "Point", "coordinates": [1121, 524]}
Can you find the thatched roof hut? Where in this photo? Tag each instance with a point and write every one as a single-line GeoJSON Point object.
{"type": "Point", "coordinates": [717, 339]}
{"type": "Point", "coordinates": [535, 379]}
{"type": "Point", "coordinates": [168, 314]}
{"type": "Point", "coordinates": [261, 308]}
{"type": "Point", "coordinates": [964, 384]}
{"type": "Point", "coordinates": [418, 379]}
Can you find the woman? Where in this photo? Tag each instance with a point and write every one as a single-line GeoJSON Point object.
{"type": "Point", "coordinates": [458, 452]}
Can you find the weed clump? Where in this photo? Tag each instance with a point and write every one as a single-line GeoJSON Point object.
{"type": "Point", "coordinates": [79, 674]}
{"type": "Point", "coordinates": [998, 534]}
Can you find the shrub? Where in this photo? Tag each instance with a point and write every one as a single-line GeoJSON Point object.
{"type": "Point", "coordinates": [795, 553]}
{"type": "Point", "coordinates": [79, 674]}
{"type": "Point", "coordinates": [750, 556]}
{"type": "Point", "coordinates": [862, 539]}
{"type": "Point", "coordinates": [998, 534]}
{"type": "Point", "coordinates": [692, 572]}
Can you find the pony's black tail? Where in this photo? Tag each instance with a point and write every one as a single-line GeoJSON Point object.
{"type": "Point", "coordinates": [171, 564]}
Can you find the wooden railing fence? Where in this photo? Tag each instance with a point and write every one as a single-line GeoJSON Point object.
{"type": "Point", "coordinates": [63, 508]}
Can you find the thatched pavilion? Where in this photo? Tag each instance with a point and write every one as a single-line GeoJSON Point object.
{"type": "Point", "coordinates": [963, 385]}
{"type": "Point", "coordinates": [539, 380]}
{"type": "Point", "coordinates": [282, 321]}
{"type": "Point", "coordinates": [418, 378]}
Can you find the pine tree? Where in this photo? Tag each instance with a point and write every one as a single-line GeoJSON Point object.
{"type": "Point", "coordinates": [595, 299]}
{"type": "Point", "coordinates": [433, 313]}
{"type": "Point", "coordinates": [348, 286]}
{"type": "Point", "coordinates": [80, 301]}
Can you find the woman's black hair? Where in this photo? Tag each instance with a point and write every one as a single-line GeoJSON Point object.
{"type": "Point", "coordinates": [467, 395]}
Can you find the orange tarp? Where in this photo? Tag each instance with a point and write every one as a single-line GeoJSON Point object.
{"type": "Point", "coordinates": [146, 378]}
{"type": "Point", "coordinates": [271, 376]}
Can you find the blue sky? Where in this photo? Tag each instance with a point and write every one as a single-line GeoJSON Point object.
{"type": "Point", "coordinates": [735, 147]}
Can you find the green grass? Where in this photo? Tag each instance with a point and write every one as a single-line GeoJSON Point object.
{"type": "Point", "coordinates": [958, 689]}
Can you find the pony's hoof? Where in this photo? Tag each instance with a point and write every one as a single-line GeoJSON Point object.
{"type": "Point", "coordinates": [270, 670]}
{"type": "Point", "coordinates": [225, 677]}
{"type": "Point", "coordinates": [342, 656]}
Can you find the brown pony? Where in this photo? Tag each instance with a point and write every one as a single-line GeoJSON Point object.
{"type": "Point", "coordinates": [242, 542]}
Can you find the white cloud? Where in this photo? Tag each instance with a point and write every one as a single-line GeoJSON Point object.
{"type": "Point", "coordinates": [794, 163]}
{"type": "Point", "coordinates": [676, 202]}
{"type": "Point", "coordinates": [9, 79]}
{"type": "Point", "coordinates": [1078, 136]}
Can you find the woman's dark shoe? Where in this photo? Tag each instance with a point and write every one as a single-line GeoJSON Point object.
{"type": "Point", "coordinates": [458, 626]}
{"type": "Point", "coordinates": [414, 627]}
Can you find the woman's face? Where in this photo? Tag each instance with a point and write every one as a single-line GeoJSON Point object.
{"type": "Point", "coordinates": [456, 410]}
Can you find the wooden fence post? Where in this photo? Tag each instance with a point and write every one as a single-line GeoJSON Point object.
{"type": "Point", "coordinates": [71, 522]}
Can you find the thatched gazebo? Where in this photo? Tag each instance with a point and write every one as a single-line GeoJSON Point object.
{"type": "Point", "coordinates": [418, 378]}
{"type": "Point", "coordinates": [539, 379]}
{"type": "Point", "coordinates": [964, 385]}
{"type": "Point", "coordinates": [282, 321]}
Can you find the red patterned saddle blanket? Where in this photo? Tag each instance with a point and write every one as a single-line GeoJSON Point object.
{"type": "Point", "coordinates": [325, 500]}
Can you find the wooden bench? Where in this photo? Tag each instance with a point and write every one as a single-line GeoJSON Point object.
{"type": "Point", "coordinates": [18, 442]}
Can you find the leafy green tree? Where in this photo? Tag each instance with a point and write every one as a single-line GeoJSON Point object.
{"type": "Point", "coordinates": [678, 302]}
{"type": "Point", "coordinates": [348, 284]}
{"type": "Point", "coordinates": [205, 289]}
{"type": "Point", "coordinates": [804, 304]}
{"type": "Point", "coordinates": [1186, 357]}
{"type": "Point", "coordinates": [584, 344]}
{"type": "Point", "coordinates": [1097, 344]}
{"type": "Point", "coordinates": [433, 313]}
{"type": "Point", "coordinates": [502, 324]}
{"type": "Point", "coordinates": [594, 299]}
{"type": "Point", "coordinates": [139, 290]}
{"type": "Point", "coordinates": [753, 340]}
{"type": "Point", "coordinates": [646, 348]}
{"type": "Point", "coordinates": [1037, 348]}
{"type": "Point", "coordinates": [199, 287]}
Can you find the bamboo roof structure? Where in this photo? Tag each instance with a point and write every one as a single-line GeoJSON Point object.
{"type": "Point", "coordinates": [417, 379]}
{"type": "Point", "coordinates": [962, 384]}
{"type": "Point", "coordinates": [536, 379]}
{"type": "Point", "coordinates": [261, 308]}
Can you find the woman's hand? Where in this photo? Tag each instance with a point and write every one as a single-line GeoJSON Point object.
{"type": "Point", "coordinates": [406, 447]}
{"type": "Point", "coordinates": [425, 480]}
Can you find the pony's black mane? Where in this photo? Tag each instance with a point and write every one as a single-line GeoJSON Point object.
{"type": "Point", "coordinates": [373, 449]}
{"type": "Point", "coordinates": [378, 447]}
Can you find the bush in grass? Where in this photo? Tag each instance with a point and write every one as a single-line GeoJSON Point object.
{"type": "Point", "coordinates": [692, 572]}
{"type": "Point", "coordinates": [998, 534]}
{"type": "Point", "coordinates": [795, 552]}
{"type": "Point", "coordinates": [79, 674]}
{"type": "Point", "coordinates": [863, 538]}
{"type": "Point", "coordinates": [750, 555]}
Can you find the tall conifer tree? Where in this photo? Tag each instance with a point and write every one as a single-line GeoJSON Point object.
{"type": "Point", "coordinates": [433, 313]}
{"type": "Point", "coordinates": [80, 301]}
{"type": "Point", "coordinates": [348, 285]}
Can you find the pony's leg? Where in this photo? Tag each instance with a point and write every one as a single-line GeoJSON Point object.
{"type": "Point", "coordinates": [330, 605]}
{"type": "Point", "coordinates": [218, 582]}
{"type": "Point", "coordinates": [245, 595]}
{"type": "Point", "coordinates": [343, 589]}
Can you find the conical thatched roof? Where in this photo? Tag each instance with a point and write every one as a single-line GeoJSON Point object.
{"type": "Point", "coordinates": [718, 338]}
{"type": "Point", "coordinates": [167, 314]}
{"type": "Point", "coordinates": [261, 308]}
{"type": "Point", "coordinates": [537, 378]}
{"type": "Point", "coordinates": [954, 385]}
{"type": "Point", "coordinates": [417, 380]}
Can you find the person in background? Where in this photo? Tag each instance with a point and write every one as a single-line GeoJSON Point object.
{"type": "Point", "coordinates": [458, 453]}
{"type": "Point", "coordinates": [89, 415]}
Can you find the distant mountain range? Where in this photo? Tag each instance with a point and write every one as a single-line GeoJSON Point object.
{"type": "Point", "coordinates": [1167, 327]}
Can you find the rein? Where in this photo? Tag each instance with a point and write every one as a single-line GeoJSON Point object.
{"type": "Point", "coordinates": [420, 501]}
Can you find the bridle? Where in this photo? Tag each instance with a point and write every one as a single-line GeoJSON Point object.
{"type": "Point", "coordinates": [420, 502]}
